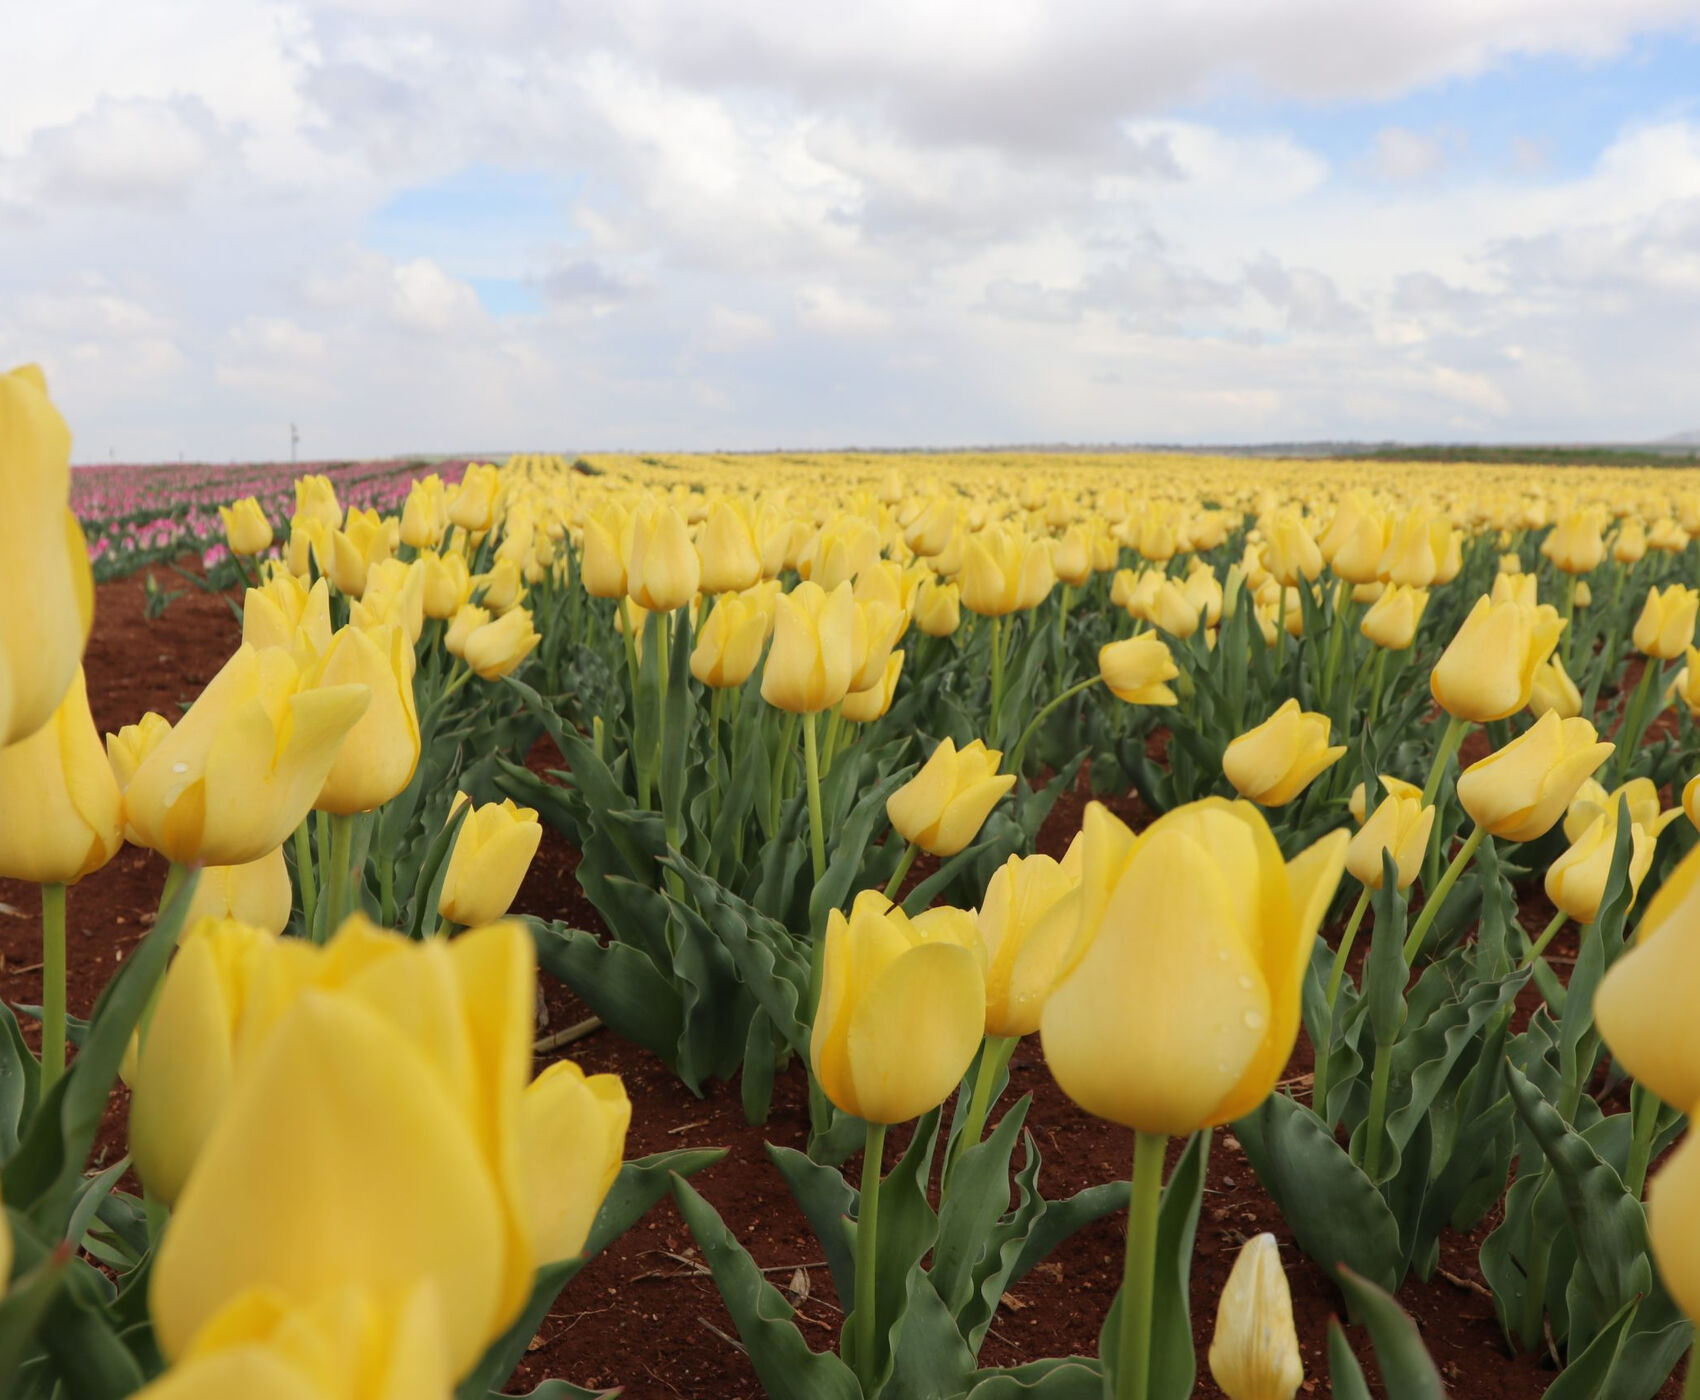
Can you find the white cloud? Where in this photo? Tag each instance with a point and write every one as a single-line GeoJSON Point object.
{"type": "Point", "coordinates": [1402, 154]}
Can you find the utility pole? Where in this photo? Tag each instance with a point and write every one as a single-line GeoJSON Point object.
{"type": "Point", "coordinates": [294, 440]}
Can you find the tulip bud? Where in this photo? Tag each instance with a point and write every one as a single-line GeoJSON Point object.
{"type": "Point", "coordinates": [493, 849]}
{"type": "Point", "coordinates": [1552, 689]}
{"type": "Point", "coordinates": [495, 649]}
{"type": "Point", "coordinates": [246, 528]}
{"type": "Point", "coordinates": [44, 567]}
{"type": "Point", "coordinates": [727, 548]}
{"type": "Point", "coordinates": [1520, 792]}
{"type": "Point", "coordinates": [1396, 787]}
{"type": "Point", "coordinates": [1630, 543]}
{"type": "Point", "coordinates": [1575, 544]}
{"type": "Point", "coordinates": [448, 584]}
{"type": "Point", "coordinates": [729, 643]}
{"type": "Point", "coordinates": [1136, 670]}
{"type": "Point", "coordinates": [1691, 801]}
{"type": "Point", "coordinates": [258, 894]}
{"type": "Point", "coordinates": [1276, 761]}
{"type": "Point", "coordinates": [1176, 1006]}
{"type": "Point", "coordinates": [1005, 571]}
{"type": "Point", "coordinates": [424, 514]}
{"type": "Point", "coordinates": [1254, 1353]}
{"type": "Point", "coordinates": [1673, 1224]}
{"type": "Point", "coordinates": [1392, 619]}
{"type": "Point", "coordinates": [395, 594]}
{"type": "Point", "coordinates": [572, 1136]}
{"type": "Point", "coordinates": [875, 629]}
{"type": "Point", "coordinates": [64, 812]}
{"type": "Point", "coordinates": [930, 531]}
{"type": "Point", "coordinates": [502, 589]}
{"type": "Point", "coordinates": [1026, 921]}
{"type": "Point", "coordinates": [1487, 671]}
{"type": "Point", "coordinates": [902, 1008]}
{"type": "Point", "coordinates": [1401, 824]}
{"type": "Point", "coordinates": [1576, 881]}
{"type": "Point", "coordinates": [467, 620]}
{"type": "Point", "coordinates": [315, 499]}
{"type": "Point", "coordinates": [280, 607]}
{"type": "Point", "coordinates": [1357, 558]}
{"type": "Point", "coordinates": [377, 759]}
{"type": "Point", "coordinates": [812, 659]}
{"type": "Point", "coordinates": [942, 808]}
{"type": "Point", "coordinates": [866, 706]}
{"type": "Point", "coordinates": [1665, 628]}
{"type": "Point", "coordinates": [1410, 557]}
{"type": "Point", "coordinates": [472, 504]}
{"type": "Point", "coordinates": [1071, 557]}
{"type": "Point", "coordinates": [662, 568]}
{"type": "Point", "coordinates": [938, 608]}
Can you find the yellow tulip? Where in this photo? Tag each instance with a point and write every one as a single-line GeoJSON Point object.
{"type": "Point", "coordinates": [1392, 619]}
{"type": "Point", "coordinates": [1521, 791]}
{"type": "Point", "coordinates": [246, 528]}
{"type": "Point", "coordinates": [1592, 800]}
{"type": "Point", "coordinates": [1401, 824]}
{"type": "Point", "coordinates": [866, 706]}
{"type": "Point", "coordinates": [729, 643]}
{"type": "Point", "coordinates": [1357, 557]}
{"type": "Point", "coordinates": [1411, 556]}
{"type": "Point", "coordinates": [572, 1137]}
{"type": "Point", "coordinates": [125, 751]}
{"type": "Point", "coordinates": [309, 543]}
{"type": "Point", "coordinates": [1487, 671]}
{"type": "Point", "coordinates": [727, 548]}
{"type": "Point", "coordinates": [1673, 1223]}
{"type": "Point", "coordinates": [1691, 801]}
{"type": "Point", "coordinates": [1630, 543]}
{"type": "Point", "coordinates": [45, 582]}
{"type": "Point", "coordinates": [361, 543]}
{"type": "Point", "coordinates": [938, 608]}
{"type": "Point", "coordinates": [315, 499]}
{"type": "Point", "coordinates": [1575, 544]}
{"type": "Point", "coordinates": [813, 657]}
{"type": "Point", "coordinates": [902, 1008]}
{"type": "Point", "coordinates": [876, 628]}
{"type": "Point", "coordinates": [283, 605]}
{"type": "Point", "coordinates": [502, 589]}
{"type": "Point", "coordinates": [1177, 1004]}
{"type": "Point", "coordinates": [472, 504]}
{"type": "Point", "coordinates": [1026, 922]}
{"type": "Point", "coordinates": [244, 765]}
{"type": "Point", "coordinates": [258, 893]}
{"type": "Point", "coordinates": [1071, 557]}
{"type": "Point", "coordinates": [1291, 554]}
{"type": "Point", "coordinates": [1276, 761]}
{"type": "Point", "coordinates": [495, 649]}
{"type": "Point", "coordinates": [942, 808]}
{"type": "Point", "coordinates": [930, 531]}
{"type": "Point", "coordinates": [424, 514]}
{"type": "Point", "coordinates": [492, 852]}
{"type": "Point", "coordinates": [1254, 1352]}
{"type": "Point", "coordinates": [1513, 587]}
{"type": "Point", "coordinates": [63, 810]}
{"type": "Point", "coordinates": [377, 759]}
{"type": "Point", "coordinates": [602, 565]}
{"type": "Point", "coordinates": [468, 619]}
{"type": "Point", "coordinates": [1576, 881]}
{"type": "Point", "coordinates": [1396, 787]}
{"type": "Point", "coordinates": [1004, 571]}
{"type": "Point", "coordinates": [448, 584]}
{"type": "Point", "coordinates": [662, 568]}
{"type": "Point", "coordinates": [1665, 628]}
{"type": "Point", "coordinates": [1137, 669]}
{"type": "Point", "coordinates": [1667, 536]}
{"type": "Point", "coordinates": [1554, 690]}
{"type": "Point", "coordinates": [838, 552]}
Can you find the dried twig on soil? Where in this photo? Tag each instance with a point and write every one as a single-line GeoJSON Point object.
{"type": "Point", "coordinates": [577, 1031]}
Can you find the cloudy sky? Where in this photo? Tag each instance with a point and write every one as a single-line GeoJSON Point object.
{"type": "Point", "coordinates": [440, 225]}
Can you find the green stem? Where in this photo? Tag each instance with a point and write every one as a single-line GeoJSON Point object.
{"type": "Point", "coordinates": [1336, 974]}
{"type": "Point", "coordinates": [1644, 1122]}
{"type": "Point", "coordinates": [445, 928]}
{"type": "Point", "coordinates": [456, 680]}
{"type": "Point", "coordinates": [1449, 742]}
{"type": "Point", "coordinates": [1635, 717]}
{"type": "Point", "coordinates": [1376, 674]}
{"type": "Point", "coordinates": [817, 827]}
{"type": "Point", "coordinates": [1377, 1109]}
{"type": "Point", "coordinates": [861, 1322]}
{"type": "Point", "coordinates": [1020, 749]}
{"type": "Point", "coordinates": [1565, 651]}
{"type": "Point", "coordinates": [52, 984]}
{"type": "Point", "coordinates": [997, 677]}
{"type": "Point", "coordinates": [1540, 944]}
{"type": "Point", "coordinates": [716, 699]}
{"type": "Point", "coordinates": [304, 875]}
{"type": "Point", "coordinates": [1691, 1386]}
{"type": "Point", "coordinates": [1062, 614]}
{"type": "Point", "coordinates": [896, 882]}
{"type": "Point", "coordinates": [342, 862]}
{"type": "Point", "coordinates": [1431, 906]}
{"type": "Point", "coordinates": [994, 1059]}
{"type": "Point", "coordinates": [1139, 1268]}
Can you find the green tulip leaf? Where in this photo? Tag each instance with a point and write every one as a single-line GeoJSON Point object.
{"type": "Point", "coordinates": [828, 1202]}
{"type": "Point", "coordinates": [20, 1083]}
{"type": "Point", "coordinates": [1407, 1370]}
{"type": "Point", "coordinates": [617, 982]}
{"type": "Point", "coordinates": [975, 1198]}
{"type": "Point", "coordinates": [928, 1356]}
{"type": "Point", "coordinates": [1055, 1378]}
{"type": "Point", "coordinates": [1345, 1377]}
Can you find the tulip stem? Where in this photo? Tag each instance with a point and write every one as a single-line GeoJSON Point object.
{"type": "Point", "coordinates": [994, 1060]}
{"type": "Point", "coordinates": [817, 828]}
{"type": "Point", "coordinates": [997, 676]}
{"type": "Point", "coordinates": [861, 1322]}
{"type": "Point", "coordinates": [1133, 1359]}
{"type": "Point", "coordinates": [1449, 742]}
{"type": "Point", "coordinates": [1020, 750]}
{"type": "Point", "coordinates": [52, 984]}
{"type": "Point", "coordinates": [1336, 974]}
{"type": "Point", "coordinates": [1635, 716]}
{"type": "Point", "coordinates": [1376, 674]}
{"type": "Point", "coordinates": [896, 882]}
{"type": "Point", "coordinates": [456, 681]}
{"type": "Point", "coordinates": [1565, 650]}
{"type": "Point", "coordinates": [1540, 944]}
{"type": "Point", "coordinates": [342, 862]}
{"type": "Point", "coordinates": [304, 875]}
{"type": "Point", "coordinates": [1691, 1386]}
{"type": "Point", "coordinates": [1377, 1125]}
{"type": "Point", "coordinates": [1431, 906]}
{"type": "Point", "coordinates": [1644, 1122]}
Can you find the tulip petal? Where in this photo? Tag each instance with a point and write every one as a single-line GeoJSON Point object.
{"type": "Point", "coordinates": [914, 1032]}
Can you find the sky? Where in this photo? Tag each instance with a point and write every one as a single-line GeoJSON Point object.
{"type": "Point", "coordinates": [559, 225]}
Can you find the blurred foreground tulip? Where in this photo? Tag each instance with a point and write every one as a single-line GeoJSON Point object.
{"type": "Point", "coordinates": [1273, 763]}
{"type": "Point", "coordinates": [258, 893]}
{"type": "Point", "coordinates": [942, 808]}
{"type": "Point", "coordinates": [63, 810]}
{"type": "Point", "coordinates": [1673, 1223]}
{"type": "Point", "coordinates": [493, 849]}
{"type": "Point", "coordinates": [1254, 1352]}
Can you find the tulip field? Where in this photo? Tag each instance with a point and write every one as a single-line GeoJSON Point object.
{"type": "Point", "coordinates": [1010, 926]}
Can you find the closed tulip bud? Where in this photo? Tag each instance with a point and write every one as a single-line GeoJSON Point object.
{"type": "Point", "coordinates": [1368, 592]}
{"type": "Point", "coordinates": [1630, 542]}
{"type": "Point", "coordinates": [930, 531]}
{"type": "Point", "coordinates": [942, 808]}
{"type": "Point", "coordinates": [839, 552]}
{"type": "Point", "coordinates": [1396, 787]}
{"type": "Point", "coordinates": [377, 759]}
{"type": "Point", "coordinates": [1667, 536]}
{"type": "Point", "coordinates": [1071, 557]}
{"type": "Point", "coordinates": [1254, 1353]}
{"type": "Point", "coordinates": [1392, 620]}
{"type": "Point", "coordinates": [1576, 881]}
{"type": "Point", "coordinates": [1026, 921]}
{"type": "Point", "coordinates": [1410, 556]}
{"type": "Point", "coordinates": [244, 765]}
{"type": "Point", "coordinates": [493, 849]}
{"type": "Point", "coordinates": [662, 568]}
{"type": "Point", "coordinates": [472, 504]}
{"type": "Point", "coordinates": [1005, 571]}
{"type": "Point", "coordinates": [258, 894]}
{"type": "Point", "coordinates": [1358, 556]}
{"type": "Point", "coordinates": [730, 642]}
{"type": "Point", "coordinates": [1673, 1223]}
{"type": "Point", "coordinates": [1401, 824]}
{"type": "Point", "coordinates": [1644, 1008]}
{"type": "Point", "coordinates": [1665, 628]}
{"type": "Point", "coordinates": [1554, 690]}
{"type": "Point", "coordinates": [42, 559]}
{"type": "Point", "coordinates": [274, 612]}
{"type": "Point", "coordinates": [448, 584]}
{"type": "Point", "coordinates": [865, 706]}
{"type": "Point", "coordinates": [1520, 792]}
{"type": "Point", "coordinates": [1273, 763]}
{"type": "Point", "coordinates": [502, 589]}
{"type": "Point", "coordinates": [64, 812]}
{"type": "Point", "coordinates": [1575, 545]}
{"type": "Point", "coordinates": [424, 513]}
{"type": "Point", "coordinates": [813, 657]}
{"type": "Point", "coordinates": [1583, 597]}
{"type": "Point", "coordinates": [877, 628]}
{"type": "Point", "coordinates": [572, 1130]}
{"type": "Point", "coordinates": [902, 1008]}
{"type": "Point", "coordinates": [602, 565]}
{"type": "Point", "coordinates": [1516, 588]}
{"type": "Point", "coordinates": [1487, 671]}
{"type": "Point", "coordinates": [1592, 801]}
{"type": "Point", "coordinates": [938, 608]}
{"type": "Point", "coordinates": [246, 528]}
{"type": "Point", "coordinates": [315, 499]}
{"type": "Point", "coordinates": [496, 649]}
{"type": "Point", "coordinates": [1137, 669]}
{"type": "Point", "coordinates": [309, 544]}
{"type": "Point", "coordinates": [1177, 1003]}
{"type": "Point", "coordinates": [1173, 610]}
{"type": "Point", "coordinates": [467, 620]}
{"type": "Point", "coordinates": [349, 563]}
{"type": "Point", "coordinates": [126, 749]}
{"type": "Point", "coordinates": [727, 548]}
{"type": "Point", "coordinates": [395, 594]}
{"type": "Point", "coordinates": [1291, 554]}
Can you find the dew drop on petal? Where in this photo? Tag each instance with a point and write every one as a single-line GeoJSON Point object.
{"type": "Point", "coordinates": [1254, 1020]}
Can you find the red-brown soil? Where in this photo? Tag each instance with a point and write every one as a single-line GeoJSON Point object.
{"type": "Point", "coordinates": [645, 1316]}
